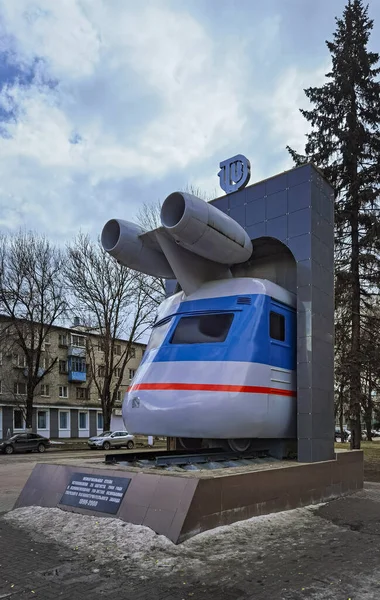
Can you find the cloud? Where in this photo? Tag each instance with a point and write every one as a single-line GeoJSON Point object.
{"type": "Point", "coordinates": [117, 91]}
{"type": "Point", "coordinates": [59, 32]}
{"type": "Point", "coordinates": [287, 123]}
{"type": "Point", "coordinates": [110, 102]}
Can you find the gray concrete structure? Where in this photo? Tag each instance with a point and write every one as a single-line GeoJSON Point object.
{"type": "Point", "coordinates": [296, 208]}
{"type": "Point", "coordinates": [34, 419]}
{"type": "Point", "coordinates": [74, 421]}
{"type": "Point", "coordinates": [93, 424]}
{"type": "Point", "coordinates": [54, 428]}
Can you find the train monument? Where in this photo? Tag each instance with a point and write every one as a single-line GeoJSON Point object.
{"type": "Point", "coordinates": [239, 369]}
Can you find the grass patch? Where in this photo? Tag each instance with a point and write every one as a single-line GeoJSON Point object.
{"type": "Point", "coordinates": [371, 452]}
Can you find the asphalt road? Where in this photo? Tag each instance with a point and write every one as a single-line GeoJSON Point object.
{"type": "Point", "coordinates": [53, 455]}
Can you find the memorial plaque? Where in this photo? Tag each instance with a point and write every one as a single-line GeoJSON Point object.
{"type": "Point", "coordinates": [95, 492]}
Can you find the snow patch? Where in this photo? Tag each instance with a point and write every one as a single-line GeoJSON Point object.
{"type": "Point", "coordinates": [109, 539]}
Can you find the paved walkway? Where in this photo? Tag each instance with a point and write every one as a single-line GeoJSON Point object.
{"type": "Point", "coordinates": [334, 555]}
{"type": "Point", "coordinates": [336, 558]}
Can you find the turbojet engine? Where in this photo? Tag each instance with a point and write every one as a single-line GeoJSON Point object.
{"type": "Point", "coordinates": [220, 364]}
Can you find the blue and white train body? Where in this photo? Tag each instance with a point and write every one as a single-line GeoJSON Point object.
{"type": "Point", "coordinates": [220, 364]}
{"type": "Point", "coordinates": [221, 360]}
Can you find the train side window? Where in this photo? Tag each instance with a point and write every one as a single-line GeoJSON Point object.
{"type": "Point", "coordinates": [277, 326]}
{"type": "Point", "coordinates": [202, 329]}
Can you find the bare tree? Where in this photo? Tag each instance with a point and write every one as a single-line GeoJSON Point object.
{"type": "Point", "coordinates": [148, 217]}
{"type": "Point", "coordinates": [190, 188]}
{"type": "Point", "coordinates": [32, 300]}
{"type": "Point", "coordinates": [115, 305]}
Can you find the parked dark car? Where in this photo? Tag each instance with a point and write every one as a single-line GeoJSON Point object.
{"type": "Point", "coordinates": [25, 442]}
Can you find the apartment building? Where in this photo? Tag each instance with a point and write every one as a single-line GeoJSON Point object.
{"type": "Point", "coordinates": [67, 403]}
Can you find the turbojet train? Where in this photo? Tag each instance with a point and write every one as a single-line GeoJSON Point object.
{"type": "Point", "coordinates": [220, 365]}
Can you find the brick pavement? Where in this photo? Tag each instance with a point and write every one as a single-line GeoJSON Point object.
{"type": "Point", "coordinates": [35, 570]}
{"type": "Point", "coordinates": [47, 571]}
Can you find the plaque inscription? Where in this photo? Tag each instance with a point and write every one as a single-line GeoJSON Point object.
{"type": "Point", "coordinates": [102, 493]}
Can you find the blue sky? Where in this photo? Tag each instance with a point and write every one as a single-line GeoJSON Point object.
{"type": "Point", "coordinates": [107, 104]}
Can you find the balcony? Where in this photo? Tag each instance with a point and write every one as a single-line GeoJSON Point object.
{"type": "Point", "coordinates": [76, 369]}
{"type": "Point", "coordinates": [76, 351]}
{"type": "Point", "coordinates": [76, 376]}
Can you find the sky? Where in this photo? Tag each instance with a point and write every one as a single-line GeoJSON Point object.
{"type": "Point", "coordinates": [109, 104]}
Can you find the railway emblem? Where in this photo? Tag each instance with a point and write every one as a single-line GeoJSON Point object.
{"type": "Point", "coordinates": [235, 173]}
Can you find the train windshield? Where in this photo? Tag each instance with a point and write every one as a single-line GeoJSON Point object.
{"type": "Point", "coordinates": [202, 329]}
{"type": "Point", "coordinates": [158, 334]}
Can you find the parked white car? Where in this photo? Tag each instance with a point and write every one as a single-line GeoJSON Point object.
{"type": "Point", "coordinates": [112, 439]}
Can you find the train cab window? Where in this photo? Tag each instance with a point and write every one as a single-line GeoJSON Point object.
{"type": "Point", "coordinates": [202, 329]}
{"type": "Point", "coordinates": [158, 334]}
{"type": "Point", "coordinates": [277, 326]}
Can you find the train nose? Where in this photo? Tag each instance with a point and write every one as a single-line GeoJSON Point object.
{"type": "Point", "coordinates": [131, 410]}
{"type": "Point", "coordinates": [149, 412]}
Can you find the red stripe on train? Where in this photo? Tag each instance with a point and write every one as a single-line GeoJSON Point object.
{"type": "Point", "coordinates": [212, 387]}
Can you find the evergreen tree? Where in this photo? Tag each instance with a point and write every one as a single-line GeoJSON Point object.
{"type": "Point", "coordinates": [345, 144]}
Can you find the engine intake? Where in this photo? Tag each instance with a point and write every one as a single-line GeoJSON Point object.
{"type": "Point", "coordinates": [127, 243]}
{"type": "Point", "coordinates": [204, 229]}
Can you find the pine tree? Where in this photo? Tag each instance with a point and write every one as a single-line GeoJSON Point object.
{"type": "Point", "coordinates": [345, 143]}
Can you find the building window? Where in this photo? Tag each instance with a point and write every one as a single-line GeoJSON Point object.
{"type": "Point", "coordinates": [62, 339]}
{"type": "Point", "coordinates": [63, 366]}
{"type": "Point", "coordinates": [78, 340]}
{"type": "Point", "coordinates": [101, 371]}
{"type": "Point", "coordinates": [117, 349]}
{"type": "Point", "coordinates": [101, 346]}
{"type": "Point", "coordinates": [78, 364]}
{"type": "Point", "coordinates": [47, 340]}
{"type": "Point", "coordinates": [64, 419]}
{"type": "Point", "coordinates": [19, 388]}
{"type": "Point", "coordinates": [100, 421]}
{"type": "Point", "coordinates": [41, 419]}
{"type": "Point", "coordinates": [118, 371]}
{"type": "Point", "coordinates": [132, 373]}
{"type": "Point", "coordinates": [82, 393]}
{"type": "Point", "coordinates": [18, 419]}
{"type": "Point", "coordinates": [21, 361]}
{"type": "Point", "coordinates": [45, 391]}
{"type": "Point", "coordinates": [132, 352]}
{"type": "Point", "coordinates": [277, 326]}
{"type": "Point", "coordinates": [119, 395]}
{"type": "Point", "coordinates": [83, 420]}
{"type": "Point", "coordinates": [1, 387]}
{"type": "Point", "coordinates": [63, 393]}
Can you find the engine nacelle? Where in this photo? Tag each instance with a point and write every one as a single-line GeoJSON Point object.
{"type": "Point", "coordinates": [195, 244]}
{"type": "Point", "coordinates": [127, 243]}
{"type": "Point", "coordinates": [204, 230]}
